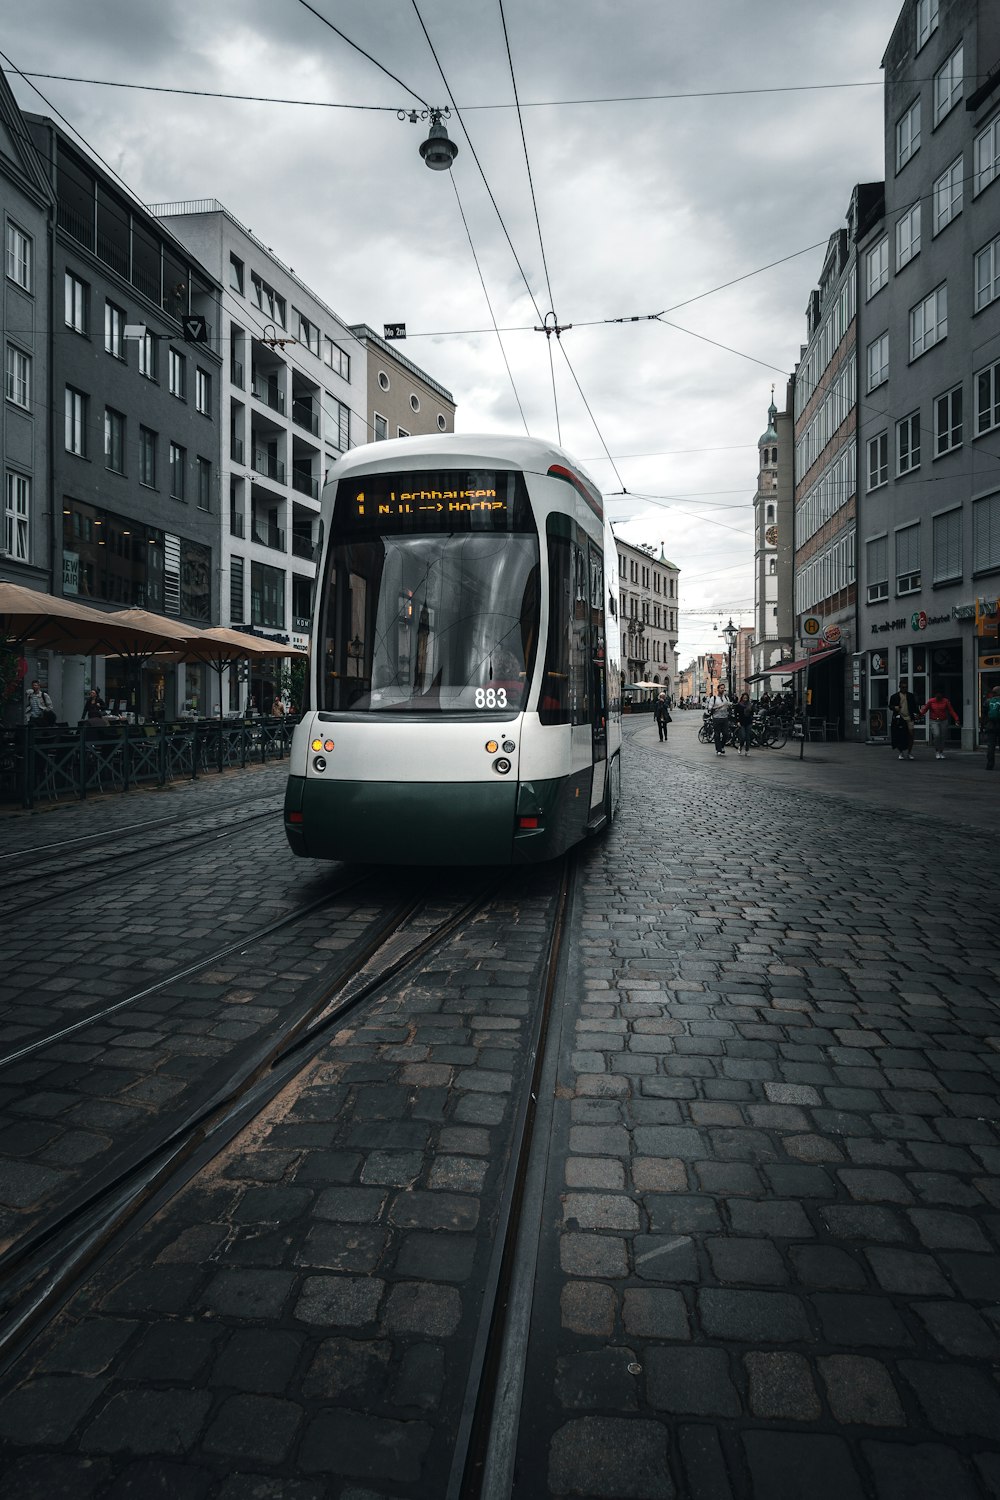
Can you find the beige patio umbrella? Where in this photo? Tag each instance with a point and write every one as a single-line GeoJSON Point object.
{"type": "Point", "coordinates": [48, 621]}
{"type": "Point", "coordinates": [220, 647]}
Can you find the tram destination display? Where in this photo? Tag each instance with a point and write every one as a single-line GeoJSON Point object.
{"type": "Point", "coordinates": [451, 500]}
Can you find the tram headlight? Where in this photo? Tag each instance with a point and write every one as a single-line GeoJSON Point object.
{"type": "Point", "coordinates": [501, 765]}
{"type": "Point", "coordinates": [509, 747]}
{"type": "Point", "coordinates": [319, 762]}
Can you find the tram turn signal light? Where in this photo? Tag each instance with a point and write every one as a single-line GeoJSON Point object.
{"type": "Point", "coordinates": [492, 747]}
{"type": "Point", "coordinates": [316, 745]}
{"type": "Point", "coordinates": [326, 745]}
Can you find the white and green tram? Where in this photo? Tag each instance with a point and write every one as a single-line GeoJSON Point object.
{"type": "Point", "coordinates": [465, 688]}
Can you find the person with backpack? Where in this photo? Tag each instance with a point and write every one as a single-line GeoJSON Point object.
{"type": "Point", "coordinates": [718, 706]}
{"type": "Point", "coordinates": [662, 715]}
{"type": "Point", "coordinates": [937, 708]}
{"type": "Point", "coordinates": [990, 725]}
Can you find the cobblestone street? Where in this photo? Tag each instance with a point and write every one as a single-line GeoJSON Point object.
{"type": "Point", "coordinates": [764, 1260]}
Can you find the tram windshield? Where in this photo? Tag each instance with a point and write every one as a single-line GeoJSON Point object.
{"type": "Point", "coordinates": [431, 598]}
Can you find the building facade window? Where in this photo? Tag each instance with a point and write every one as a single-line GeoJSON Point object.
{"type": "Point", "coordinates": [267, 596]}
{"type": "Point", "coordinates": [176, 374]}
{"type": "Point", "coordinates": [908, 443]}
{"type": "Point", "coordinates": [986, 535]}
{"type": "Point", "coordinates": [946, 543]}
{"type": "Point", "coordinates": [380, 428]}
{"type": "Point", "coordinates": [204, 484]}
{"type": "Point", "coordinates": [878, 361]}
{"type": "Point", "coordinates": [203, 392]}
{"type": "Point", "coordinates": [878, 460]}
{"type": "Point", "coordinates": [948, 421]}
{"type": "Point", "coordinates": [948, 85]}
{"type": "Point", "coordinates": [178, 464]}
{"type": "Point", "coordinates": [877, 568]}
{"type": "Point", "coordinates": [876, 268]}
{"type": "Point", "coordinates": [334, 356]}
{"type": "Point", "coordinates": [929, 321]}
{"type": "Point", "coordinates": [19, 256]}
{"type": "Point", "coordinates": [76, 299]}
{"type": "Point", "coordinates": [908, 135]}
{"type": "Point", "coordinates": [17, 374]}
{"type": "Point", "coordinates": [114, 440]}
{"type": "Point", "coordinates": [236, 591]}
{"type": "Point", "coordinates": [926, 20]}
{"type": "Point", "coordinates": [309, 333]}
{"type": "Point", "coordinates": [986, 155]}
{"type": "Point", "coordinates": [908, 559]}
{"type": "Point", "coordinates": [907, 236]}
{"type": "Point", "coordinates": [987, 274]}
{"type": "Point", "coordinates": [147, 457]}
{"type": "Point", "coordinates": [236, 274]}
{"type": "Point", "coordinates": [147, 356]}
{"type": "Point", "coordinates": [988, 399]}
{"type": "Point", "coordinates": [270, 302]}
{"type": "Point", "coordinates": [76, 422]}
{"type": "Point", "coordinates": [948, 195]}
{"type": "Point", "coordinates": [16, 517]}
{"type": "Point", "coordinates": [114, 330]}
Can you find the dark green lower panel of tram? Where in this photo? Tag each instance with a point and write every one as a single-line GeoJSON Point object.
{"type": "Point", "coordinates": [435, 823]}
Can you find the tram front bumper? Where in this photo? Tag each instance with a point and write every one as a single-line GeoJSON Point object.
{"type": "Point", "coordinates": [410, 823]}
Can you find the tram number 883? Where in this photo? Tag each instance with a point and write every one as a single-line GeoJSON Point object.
{"type": "Point", "coordinates": [491, 697]}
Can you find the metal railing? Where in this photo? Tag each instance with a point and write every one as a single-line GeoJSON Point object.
{"type": "Point", "coordinates": [236, 372]}
{"type": "Point", "coordinates": [39, 765]}
{"type": "Point", "coordinates": [305, 484]}
{"type": "Point", "coordinates": [236, 527]}
{"type": "Point", "coordinates": [302, 546]}
{"type": "Point", "coordinates": [269, 536]}
{"type": "Point", "coordinates": [269, 393]}
{"type": "Point", "coordinates": [236, 449]}
{"type": "Point", "coordinates": [265, 463]}
{"type": "Point", "coordinates": [303, 415]}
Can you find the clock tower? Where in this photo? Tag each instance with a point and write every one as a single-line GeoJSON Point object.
{"type": "Point", "coordinates": [773, 619]}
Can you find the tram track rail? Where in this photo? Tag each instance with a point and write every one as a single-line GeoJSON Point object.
{"type": "Point", "coordinates": [125, 864]}
{"type": "Point", "coordinates": [41, 1270]}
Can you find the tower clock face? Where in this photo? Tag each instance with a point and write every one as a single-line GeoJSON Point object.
{"type": "Point", "coordinates": [771, 535]}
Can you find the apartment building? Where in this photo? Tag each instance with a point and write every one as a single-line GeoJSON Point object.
{"type": "Point", "coordinates": [133, 429]}
{"type": "Point", "coordinates": [929, 326]}
{"type": "Point", "coordinates": [293, 400]}
{"type": "Point", "coordinates": [401, 399]}
{"type": "Point", "coordinates": [28, 209]}
{"type": "Point", "coordinates": [648, 605]}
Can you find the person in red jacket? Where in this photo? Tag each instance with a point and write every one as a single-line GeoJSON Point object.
{"type": "Point", "coordinates": [938, 709]}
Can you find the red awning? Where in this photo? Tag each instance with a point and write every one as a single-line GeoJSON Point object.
{"type": "Point", "coordinates": [789, 668]}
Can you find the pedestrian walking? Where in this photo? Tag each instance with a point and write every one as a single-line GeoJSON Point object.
{"type": "Point", "coordinates": [661, 713]}
{"type": "Point", "coordinates": [718, 706]}
{"type": "Point", "coordinates": [39, 710]}
{"type": "Point", "coordinates": [94, 706]}
{"type": "Point", "coordinates": [904, 710]}
{"type": "Point", "coordinates": [990, 725]}
{"type": "Point", "coordinates": [938, 709]}
{"type": "Point", "coordinates": [744, 723]}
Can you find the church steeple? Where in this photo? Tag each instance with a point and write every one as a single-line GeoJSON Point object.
{"type": "Point", "coordinates": [771, 435]}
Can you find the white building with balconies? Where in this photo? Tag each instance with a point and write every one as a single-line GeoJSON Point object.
{"type": "Point", "coordinates": [294, 399]}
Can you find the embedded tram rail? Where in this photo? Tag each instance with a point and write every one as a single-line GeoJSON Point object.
{"type": "Point", "coordinates": [212, 1179]}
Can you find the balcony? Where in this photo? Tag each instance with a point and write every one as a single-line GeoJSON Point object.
{"type": "Point", "coordinates": [268, 392]}
{"type": "Point", "coordinates": [305, 484]}
{"type": "Point", "coordinates": [303, 415]}
{"type": "Point", "coordinates": [302, 546]}
{"type": "Point", "coordinates": [236, 372]}
{"type": "Point", "coordinates": [236, 527]}
{"type": "Point", "coordinates": [268, 465]}
{"type": "Point", "coordinates": [268, 536]}
{"type": "Point", "coordinates": [236, 449]}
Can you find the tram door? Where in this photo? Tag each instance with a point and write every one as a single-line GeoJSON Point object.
{"type": "Point", "coordinates": [598, 675]}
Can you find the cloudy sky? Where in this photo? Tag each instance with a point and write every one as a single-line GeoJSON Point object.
{"type": "Point", "coordinates": [648, 202]}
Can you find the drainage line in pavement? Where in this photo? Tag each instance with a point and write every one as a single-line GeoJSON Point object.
{"type": "Point", "coordinates": [172, 1163]}
{"type": "Point", "coordinates": [485, 1393]}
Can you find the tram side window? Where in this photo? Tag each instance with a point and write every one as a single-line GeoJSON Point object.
{"type": "Point", "coordinates": [565, 695]}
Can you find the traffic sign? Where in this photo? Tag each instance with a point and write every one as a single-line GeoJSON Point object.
{"type": "Point", "coordinates": [394, 330]}
{"type": "Point", "coordinates": [195, 328]}
{"type": "Point", "coordinates": [811, 627]}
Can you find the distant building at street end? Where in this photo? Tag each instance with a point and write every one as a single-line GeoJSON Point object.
{"type": "Point", "coordinates": [648, 604]}
{"type": "Point", "coordinates": [401, 399]}
{"type": "Point", "coordinates": [773, 627]}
